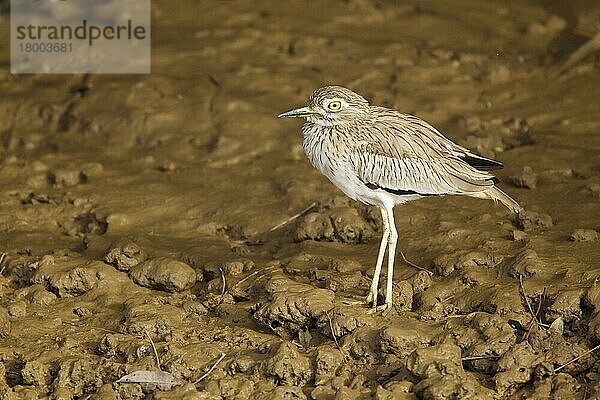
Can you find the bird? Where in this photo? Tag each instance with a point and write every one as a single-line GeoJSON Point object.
{"type": "Point", "coordinates": [383, 157]}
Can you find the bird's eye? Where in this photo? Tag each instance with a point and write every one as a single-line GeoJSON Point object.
{"type": "Point", "coordinates": [334, 105]}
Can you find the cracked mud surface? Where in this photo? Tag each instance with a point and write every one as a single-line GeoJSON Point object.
{"type": "Point", "coordinates": [141, 206]}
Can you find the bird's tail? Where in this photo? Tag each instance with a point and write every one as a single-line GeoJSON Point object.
{"type": "Point", "coordinates": [498, 195]}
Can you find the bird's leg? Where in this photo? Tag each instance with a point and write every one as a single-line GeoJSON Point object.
{"type": "Point", "coordinates": [372, 297]}
{"type": "Point", "coordinates": [392, 241]}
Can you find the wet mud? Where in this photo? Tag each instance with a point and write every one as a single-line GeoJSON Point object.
{"type": "Point", "coordinates": [136, 211]}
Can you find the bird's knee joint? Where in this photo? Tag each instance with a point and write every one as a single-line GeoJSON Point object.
{"type": "Point", "coordinates": [393, 236]}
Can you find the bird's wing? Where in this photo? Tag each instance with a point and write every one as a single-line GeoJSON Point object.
{"type": "Point", "coordinates": [403, 155]}
{"type": "Point", "coordinates": [474, 160]}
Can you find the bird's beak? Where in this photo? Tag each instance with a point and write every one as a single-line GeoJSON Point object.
{"type": "Point", "coordinates": [297, 113]}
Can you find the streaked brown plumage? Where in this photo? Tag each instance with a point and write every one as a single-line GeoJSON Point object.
{"type": "Point", "coordinates": [383, 157]}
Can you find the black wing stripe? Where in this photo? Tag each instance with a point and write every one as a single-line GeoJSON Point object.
{"type": "Point", "coordinates": [482, 164]}
{"type": "Point", "coordinates": [398, 192]}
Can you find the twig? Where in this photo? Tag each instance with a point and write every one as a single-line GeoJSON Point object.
{"type": "Point", "coordinates": [582, 33]}
{"type": "Point", "coordinates": [293, 217]}
{"type": "Point", "coordinates": [2, 256]}
{"type": "Point", "coordinates": [589, 47]}
{"type": "Point", "coordinates": [153, 348]}
{"type": "Point", "coordinates": [483, 357]}
{"type": "Point", "coordinates": [91, 327]}
{"type": "Point", "coordinates": [415, 265]}
{"type": "Point", "coordinates": [577, 358]}
{"type": "Point", "coordinates": [223, 279]}
{"type": "Point", "coordinates": [253, 274]}
{"type": "Point", "coordinates": [211, 369]}
{"type": "Point", "coordinates": [525, 295]}
{"type": "Point", "coordinates": [337, 344]}
{"type": "Point", "coordinates": [447, 298]}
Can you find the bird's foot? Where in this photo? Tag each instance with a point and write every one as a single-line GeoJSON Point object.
{"type": "Point", "coordinates": [364, 301]}
{"type": "Point", "coordinates": [371, 298]}
{"type": "Point", "coordinates": [384, 309]}
{"type": "Point", "coordinates": [356, 302]}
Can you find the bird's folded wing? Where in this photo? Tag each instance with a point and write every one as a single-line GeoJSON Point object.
{"type": "Point", "coordinates": [402, 157]}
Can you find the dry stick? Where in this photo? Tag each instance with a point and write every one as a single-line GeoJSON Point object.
{"type": "Point", "coordinates": [415, 265]}
{"type": "Point", "coordinates": [2, 256]}
{"type": "Point", "coordinates": [333, 334]}
{"type": "Point", "coordinates": [525, 295]}
{"type": "Point", "coordinates": [223, 279]}
{"type": "Point", "coordinates": [582, 33]}
{"type": "Point", "coordinates": [577, 358]}
{"type": "Point", "coordinates": [211, 369]}
{"type": "Point", "coordinates": [534, 319]}
{"type": "Point", "coordinates": [293, 217]}
{"type": "Point", "coordinates": [485, 357]}
{"type": "Point", "coordinates": [153, 348]}
{"type": "Point", "coordinates": [252, 274]}
{"type": "Point", "coordinates": [91, 327]}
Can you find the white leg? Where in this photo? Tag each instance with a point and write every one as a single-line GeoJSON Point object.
{"type": "Point", "coordinates": [393, 240]}
{"type": "Point", "coordinates": [372, 297]}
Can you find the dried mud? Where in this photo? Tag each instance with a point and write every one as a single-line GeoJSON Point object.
{"type": "Point", "coordinates": [140, 207]}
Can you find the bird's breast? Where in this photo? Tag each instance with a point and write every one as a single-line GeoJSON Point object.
{"type": "Point", "coordinates": [321, 149]}
{"type": "Point", "coordinates": [328, 152]}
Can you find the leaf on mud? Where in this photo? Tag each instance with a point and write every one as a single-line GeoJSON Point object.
{"type": "Point", "coordinates": [557, 326]}
{"type": "Point", "coordinates": [150, 380]}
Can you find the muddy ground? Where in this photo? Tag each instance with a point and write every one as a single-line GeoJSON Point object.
{"type": "Point", "coordinates": [141, 206]}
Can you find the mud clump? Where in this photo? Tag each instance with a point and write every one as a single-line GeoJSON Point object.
{"type": "Point", "coordinates": [343, 224]}
{"type": "Point", "coordinates": [516, 367]}
{"type": "Point", "coordinates": [585, 235]}
{"type": "Point", "coordinates": [526, 179]}
{"type": "Point", "coordinates": [4, 323]}
{"type": "Point", "coordinates": [67, 276]}
{"type": "Point", "coordinates": [292, 306]}
{"type": "Point", "coordinates": [125, 254]}
{"type": "Point", "coordinates": [148, 315]}
{"type": "Point", "coordinates": [164, 274]}
{"type": "Point", "coordinates": [442, 374]}
{"type": "Point", "coordinates": [288, 367]}
{"type": "Point", "coordinates": [527, 263]}
{"type": "Point", "coordinates": [530, 220]}
{"type": "Point", "coordinates": [445, 264]}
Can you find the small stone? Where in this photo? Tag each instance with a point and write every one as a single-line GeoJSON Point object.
{"type": "Point", "coordinates": [164, 273]}
{"type": "Point", "coordinates": [584, 235]}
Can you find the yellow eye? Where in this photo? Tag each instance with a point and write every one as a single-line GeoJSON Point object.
{"type": "Point", "coordinates": [334, 105]}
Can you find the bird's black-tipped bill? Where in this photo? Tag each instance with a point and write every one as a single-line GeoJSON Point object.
{"type": "Point", "coordinates": [297, 113]}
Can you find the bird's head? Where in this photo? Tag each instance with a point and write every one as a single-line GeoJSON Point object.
{"type": "Point", "coordinates": [332, 105]}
